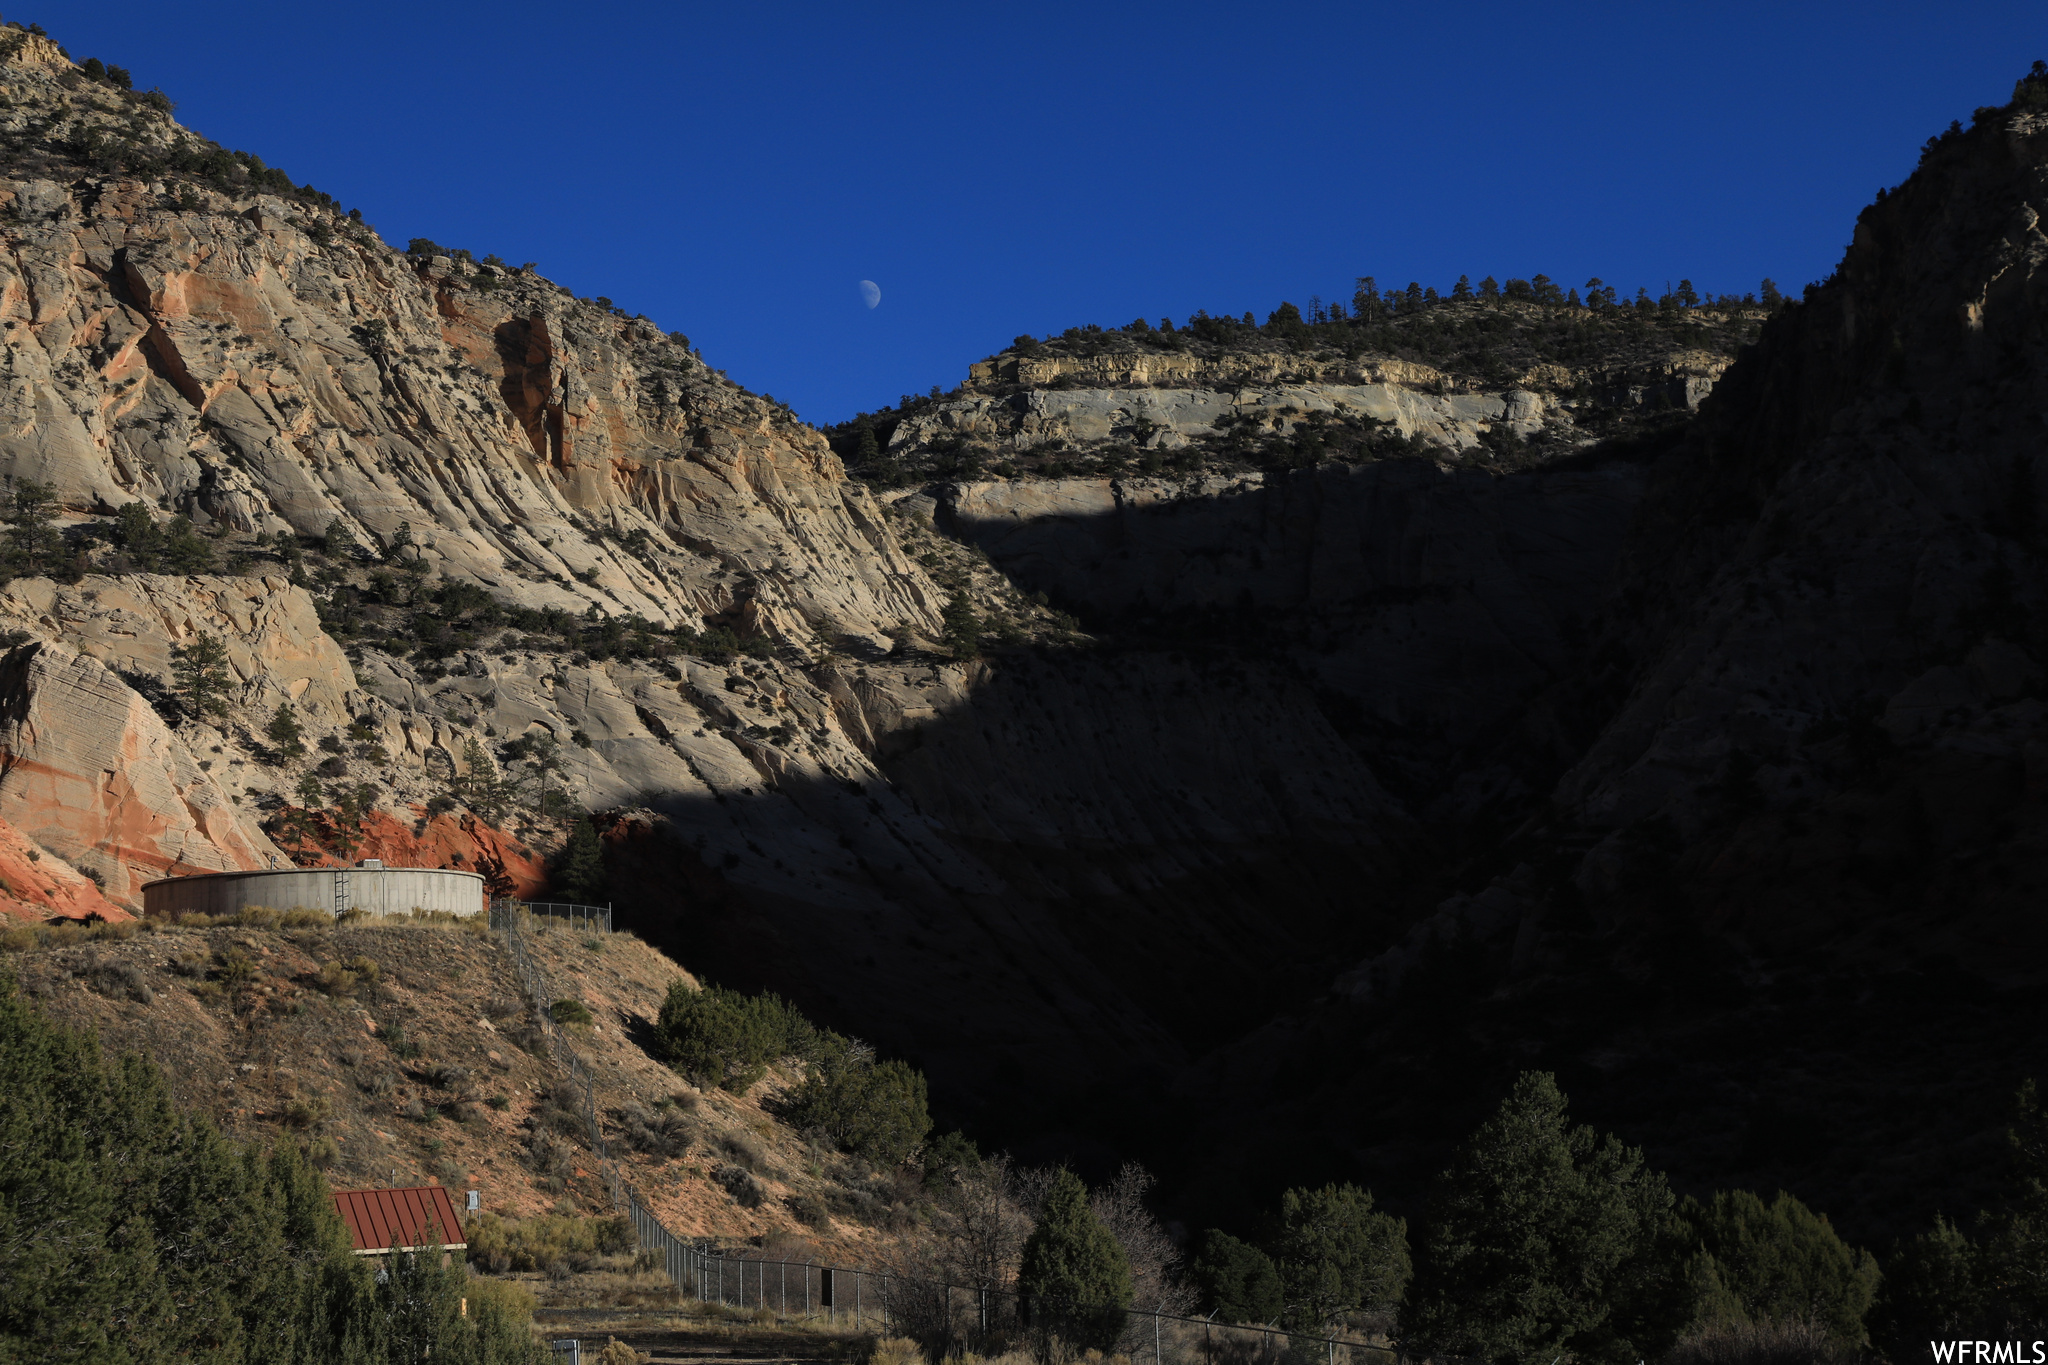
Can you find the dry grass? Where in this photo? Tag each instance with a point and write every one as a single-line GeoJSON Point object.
{"type": "Point", "coordinates": [1754, 1343]}
{"type": "Point", "coordinates": [29, 938]}
{"type": "Point", "coordinates": [549, 1244]}
{"type": "Point", "coordinates": [895, 1351]}
{"type": "Point", "coordinates": [617, 1352]}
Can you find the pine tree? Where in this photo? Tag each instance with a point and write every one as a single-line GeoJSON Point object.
{"type": "Point", "coordinates": [1074, 1273]}
{"type": "Point", "coordinates": [1489, 289]}
{"type": "Point", "coordinates": [876, 1108]}
{"type": "Point", "coordinates": [582, 877]}
{"type": "Point", "coordinates": [284, 732]}
{"type": "Point", "coordinates": [1336, 1255]}
{"type": "Point", "coordinates": [479, 786]}
{"type": "Point", "coordinates": [1365, 298]}
{"type": "Point", "coordinates": [1462, 290]}
{"type": "Point", "coordinates": [1545, 1240]}
{"type": "Point", "coordinates": [29, 534]}
{"type": "Point", "coordinates": [1238, 1281]}
{"type": "Point", "coordinates": [962, 627]}
{"type": "Point", "coordinates": [288, 551]}
{"type": "Point", "coordinates": [543, 756]}
{"type": "Point", "coordinates": [185, 550]}
{"type": "Point", "coordinates": [866, 450]}
{"type": "Point", "coordinates": [1779, 1263]}
{"type": "Point", "coordinates": [201, 674]}
{"type": "Point", "coordinates": [135, 531]}
{"type": "Point", "coordinates": [339, 542]}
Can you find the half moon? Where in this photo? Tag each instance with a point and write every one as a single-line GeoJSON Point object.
{"type": "Point", "coordinates": [870, 293]}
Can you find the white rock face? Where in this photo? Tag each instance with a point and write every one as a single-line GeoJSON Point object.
{"type": "Point", "coordinates": [1166, 418]}
{"type": "Point", "coordinates": [276, 650]}
{"type": "Point", "coordinates": [90, 772]}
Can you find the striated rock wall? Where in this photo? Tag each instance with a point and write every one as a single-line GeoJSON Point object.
{"type": "Point", "coordinates": [37, 885]}
{"type": "Point", "coordinates": [276, 649]}
{"type": "Point", "coordinates": [261, 364]}
{"type": "Point", "coordinates": [89, 771]}
{"type": "Point", "coordinates": [1436, 604]}
{"type": "Point", "coordinates": [1168, 418]}
{"type": "Point", "coordinates": [1168, 368]}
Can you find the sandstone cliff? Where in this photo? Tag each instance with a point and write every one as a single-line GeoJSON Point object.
{"type": "Point", "coordinates": [1775, 916]}
{"type": "Point", "coordinates": [260, 364]}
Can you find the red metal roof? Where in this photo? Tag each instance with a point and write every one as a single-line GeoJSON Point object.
{"type": "Point", "coordinates": [400, 1220]}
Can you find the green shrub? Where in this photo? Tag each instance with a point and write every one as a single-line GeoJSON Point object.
{"type": "Point", "coordinates": [740, 1184]}
{"type": "Point", "coordinates": [810, 1211]}
{"type": "Point", "coordinates": [1337, 1255]}
{"type": "Point", "coordinates": [719, 1037]}
{"type": "Point", "coordinates": [1236, 1280]}
{"type": "Point", "coordinates": [875, 1108]}
{"type": "Point", "coordinates": [1075, 1273]}
{"type": "Point", "coordinates": [567, 1011]}
{"type": "Point", "coordinates": [501, 1244]}
{"type": "Point", "coordinates": [1779, 1263]}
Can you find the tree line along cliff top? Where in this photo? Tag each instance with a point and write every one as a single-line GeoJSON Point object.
{"type": "Point", "coordinates": [1485, 336]}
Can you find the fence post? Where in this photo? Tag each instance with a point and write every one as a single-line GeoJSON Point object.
{"type": "Point", "coordinates": [1156, 1357]}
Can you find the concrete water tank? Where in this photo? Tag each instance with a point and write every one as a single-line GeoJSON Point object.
{"type": "Point", "coordinates": [368, 886]}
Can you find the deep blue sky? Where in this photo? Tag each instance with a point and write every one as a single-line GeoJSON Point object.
{"type": "Point", "coordinates": [733, 170]}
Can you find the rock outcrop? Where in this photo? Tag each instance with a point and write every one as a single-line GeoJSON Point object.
{"type": "Point", "coordinates": [37, 885]}
{"type": "Point", "coordinates": [90, 772]}
{"type": "Point", "coordinates": [1170, 418]}
{"type": "Point", "coordinates": [1434, 603]}
{"type": "Point", "coordinates": [276, 650]}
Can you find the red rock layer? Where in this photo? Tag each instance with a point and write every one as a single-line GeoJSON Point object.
{"type": "Point", "coordinates": [463, 842]}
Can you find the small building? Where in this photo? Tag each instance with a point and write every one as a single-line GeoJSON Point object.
{"type": "Point", "coordinates": [368, 886]}
{"type": "Point", "coordinates": [419, 1218]}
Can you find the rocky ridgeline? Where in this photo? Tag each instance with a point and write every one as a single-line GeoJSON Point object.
{"type": "Point", "coordinates": [1108, 401]}
{"type": "Point", "coordinates": [265, 364]}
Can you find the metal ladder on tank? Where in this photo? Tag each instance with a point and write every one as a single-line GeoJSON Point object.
{"type": "Point", "coordinates": [340, 891]}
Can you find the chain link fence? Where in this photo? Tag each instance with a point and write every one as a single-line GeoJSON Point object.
{"type": "Point", "coordinates": [589, 917]}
